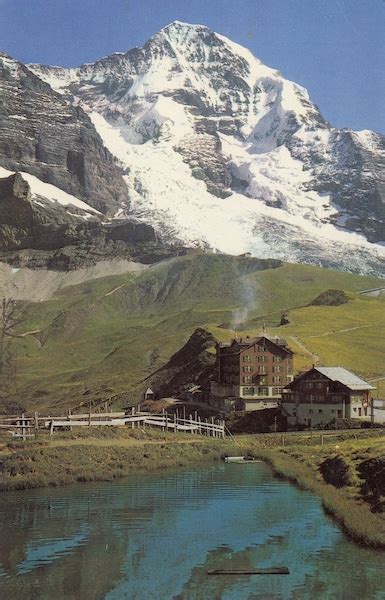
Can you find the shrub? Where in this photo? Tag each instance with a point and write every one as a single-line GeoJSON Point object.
{"type": "Point", "coordinates": [335, 471]}
{"type": "Point", "coordinates": [372, 472]}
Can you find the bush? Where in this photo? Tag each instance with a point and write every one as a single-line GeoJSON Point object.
{"type": "Point", "coordinates": [372, 472]}
{"type": "Point", "coordinates": [335, 471]}
{"type": "Point", "coordinates": [344, 424]}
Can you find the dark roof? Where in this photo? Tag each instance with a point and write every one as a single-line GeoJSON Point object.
{"type": "Point", "coordinates": [246, 342]}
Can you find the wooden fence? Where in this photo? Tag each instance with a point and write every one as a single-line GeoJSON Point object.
{"type": "Point", "coordinates": [25, 427]}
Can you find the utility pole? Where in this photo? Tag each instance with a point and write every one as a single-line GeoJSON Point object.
{"type": "Point", "coordinates": [371, 400]}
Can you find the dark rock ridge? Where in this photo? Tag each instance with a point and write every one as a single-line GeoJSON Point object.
{"type": "Point", "coordinates": [330, 298]}
{"type": "Point", "coordinates": [43, 133]}
{"type": "Point", "coordinates": [25, 224]}
{"type": "Point", "coordinates": [192, 365]}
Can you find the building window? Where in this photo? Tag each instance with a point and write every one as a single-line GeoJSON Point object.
{"type": "Point", "coordinates": [339, 414]}
{"type": "Point", "coordinates": [262, 380]}
{"type": "Point", "coordinates": [247, 379]}
{"type": "Point", "coordinates": [277, 391]}
{"type": "Point", "coordinates": [247, 358]}
{"type": "Point", "coordinates": [261, 348]}
{"type": "Point", "coordinates": [310, 410]}
{"type": "Point", "coordinates": [247, 369]}
{"type": "Point", "coordinates": [276, 379]}
{"type": "Point", "coordinates": [262, 358]}
{"type": "Point", "coordinates": [320, 385]}
{"type": "Point", "coordinates": [248, 391]}
{"type": "Point", "coordinates": [263, 391]}
{"type": "Point", "coordinates": [277, 358]}
{"type": "Point", "coordinates": [276, 368]}
{"type": "Point", "coordinates": [320, 410]}
{"type": "Point", "coordinates": [261, 369]}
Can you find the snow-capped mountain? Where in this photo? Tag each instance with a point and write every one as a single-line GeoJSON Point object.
{"type": "Point", "coordinates": [221, 150]}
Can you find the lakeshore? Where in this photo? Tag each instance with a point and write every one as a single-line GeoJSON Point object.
{"type": "Point", "coordinates": [97, 455]}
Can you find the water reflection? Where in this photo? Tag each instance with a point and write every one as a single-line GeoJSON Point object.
{"type": "Point", "coordinates": [156, 536]}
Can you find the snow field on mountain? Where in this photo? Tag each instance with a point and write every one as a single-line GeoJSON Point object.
{"type": "Point", "coordinates": [172, 200]}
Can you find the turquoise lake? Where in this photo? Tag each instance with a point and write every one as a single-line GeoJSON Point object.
{"type": "Point", "coordinates": [156, 536]}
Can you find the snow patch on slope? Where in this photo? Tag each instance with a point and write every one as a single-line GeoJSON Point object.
{"type": "Point", "coordinates": [278, 179]}
{"type": "Point", "coordinates": [50, 192]}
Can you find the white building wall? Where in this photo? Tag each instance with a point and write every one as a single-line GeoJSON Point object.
{"type": "Point", "coordinates": [322, 414]}
{"type": "Point", "coordinates": [319, 414]}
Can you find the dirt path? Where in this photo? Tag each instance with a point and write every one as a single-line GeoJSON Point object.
{"type": "Point", "coordinates": [341, 330]}
{"type": "Point", "coordinates": [299, 343]}
{"type": "Point", "coordinates": [115, 290]}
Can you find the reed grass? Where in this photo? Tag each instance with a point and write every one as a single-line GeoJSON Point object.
{"type": "Point", "coordinates": [351, 512]}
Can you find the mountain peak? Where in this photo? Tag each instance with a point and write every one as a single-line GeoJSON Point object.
{"type": "Point", "coordinates": [184, 25]}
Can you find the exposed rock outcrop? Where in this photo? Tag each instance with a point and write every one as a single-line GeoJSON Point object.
{"type": "Point", "coordinates": [45, 134]}
{"type": "Point", "coordinates": [63, 240]}
{"type": "Point", "coordinates": [192, 365]}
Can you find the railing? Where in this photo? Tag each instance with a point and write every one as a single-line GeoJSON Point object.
{"type": "Point", "coordinates": [26, 427]}
{"type": "Point", "coordinates": [19, 426]}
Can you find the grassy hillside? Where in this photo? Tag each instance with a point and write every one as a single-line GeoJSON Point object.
{"type": "Point", "coordinates": [103, 337]}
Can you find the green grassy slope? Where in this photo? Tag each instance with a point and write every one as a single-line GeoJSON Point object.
{"type": "Point", "coordinates": [104, 337]}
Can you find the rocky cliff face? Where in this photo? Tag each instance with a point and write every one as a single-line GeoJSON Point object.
{"type": "Point", "coordinates": [46, 135]}
{"type": "Point", "coordinates": [66, 239]}
{"type": "Point", "coordinates": [218, 149]}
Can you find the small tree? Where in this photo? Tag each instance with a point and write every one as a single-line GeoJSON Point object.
{"type": "Point", "coordinates": [11, 315]}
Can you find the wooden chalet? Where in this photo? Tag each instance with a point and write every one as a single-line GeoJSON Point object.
{"type": "Point", "coordinates": [323, 395]}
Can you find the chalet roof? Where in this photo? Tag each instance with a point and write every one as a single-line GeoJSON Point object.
{"type": "Point", "coordinates": [347, 378]}
{"type": "Point", "coordinates": [248, 341]}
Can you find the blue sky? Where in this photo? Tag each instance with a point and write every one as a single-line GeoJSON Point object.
{"type": "Point", "coordinates": [335, 48]}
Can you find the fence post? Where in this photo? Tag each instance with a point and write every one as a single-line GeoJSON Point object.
{"type": "Point", "coordinates": [36, 420]}
{"type": "Point", "coordinates": [51, 428]}
{"type": "Point", "coordinates": [23, 423]}
{"type": "Point", "coordinates": [175, 425]}
{"type": "Point", "coordinates": [163, 423]}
